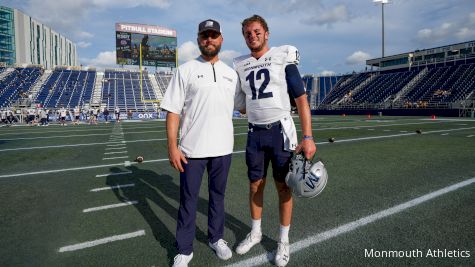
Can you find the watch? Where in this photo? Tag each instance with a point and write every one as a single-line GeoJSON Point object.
{"type": "Point", "coordinates": [307, 137]}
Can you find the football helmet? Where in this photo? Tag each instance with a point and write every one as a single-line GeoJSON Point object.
{"type": "Point", "coordinates": [306, 179]}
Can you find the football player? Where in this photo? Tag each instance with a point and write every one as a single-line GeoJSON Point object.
{"type": "Point", "coordinates": [117, 114]}
{"type": "Point", "coordinates": [62, 114]}
{"type": "Point", "coordinates": [77, 113]}
{"type": "Point", "coordinates": [269, 78]}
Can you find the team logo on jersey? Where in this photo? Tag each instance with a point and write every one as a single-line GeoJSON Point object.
{"type": "Point", "coordinates": [268, 59]}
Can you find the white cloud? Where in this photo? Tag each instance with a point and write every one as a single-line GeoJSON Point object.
{"type": "Point", "coordinates": [461, 30]}
{"type": "Point", "coordinates": [84, 35]}
{"type": "Point", "coordinates": [471, 18]}
{"type": "Point", "coordinates": [188, 51]}
{"type": "Point", "coordinates": [465, 33]}
{"type": "Point", "coordinates": [228, 55]}
{"type": "Point", "coordinates": [67, 16]}
{"type": "Point", "coordinates": [83, 44]}
{"type": "Point", "coordinates": [327, 73]}
{"type": "Point", "coordinates": [444, 31]}
{"type": "Point", "coordinates": [129, 4]}
{"type": "Point", "coordinates": [358, 57]}
{"type": "Point", "coordinates": [329, 16]}
{"type": "Point", "coordinates": [102, 60]}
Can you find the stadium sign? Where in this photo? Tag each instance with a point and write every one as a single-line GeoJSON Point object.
{"type": "Point", "coordinates": [149, 45]}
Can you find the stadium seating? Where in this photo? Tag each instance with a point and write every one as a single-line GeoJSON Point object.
{"type": "Point", "coordinates": [344, 86]}
{"type": "Point", "coordinates": [122, 89]}
{"type": "Point", "coordinates": [67, 88]}
{"type": "Point", "coordinates": [444, 84]}
{"type": "Point", "coordinates": [439, 86]}
{"type": "Point", "coordinates": [163, 80]}
{"type": "Point", "coordinates": [383, 86]}
{"type": "Point", "coordinates": [17, 84]}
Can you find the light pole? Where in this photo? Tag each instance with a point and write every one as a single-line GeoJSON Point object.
{"type": "Point", "coordinates": [382, 2]}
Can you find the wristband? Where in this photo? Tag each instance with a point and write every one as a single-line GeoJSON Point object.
{"type": "Point", "coordinates": [307, 137]}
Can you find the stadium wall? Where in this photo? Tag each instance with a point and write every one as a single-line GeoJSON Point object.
{"type": "Point", "coordinates": [392, 112]}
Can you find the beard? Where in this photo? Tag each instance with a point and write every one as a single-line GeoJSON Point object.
{"type": "Point", "coordinates": [258, 48]}
{"type": "Point", "coordinates": [210, 53]}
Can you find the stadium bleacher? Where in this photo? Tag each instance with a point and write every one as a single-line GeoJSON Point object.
{"type": "Point", "coordinates": [17, 85]}
{"type": "Point", "coordinates": [67, 88]}
{"type": "Point", "coordinates": [430, 86]}
{"type": "Point", "coordinates": [122, 89]}
{"type": "Point", "coordinates": [433, 86]}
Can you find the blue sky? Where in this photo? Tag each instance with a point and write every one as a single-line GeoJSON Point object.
{"type": "Point", "coordinates": [332, 36]}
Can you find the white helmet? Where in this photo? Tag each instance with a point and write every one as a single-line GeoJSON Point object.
{"type": "Point", "coordinates": [305, 178]}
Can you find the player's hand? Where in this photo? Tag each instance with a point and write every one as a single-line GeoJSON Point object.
{"type": "Point", "coordinates": [176, 157]}
{"type": "Point", "coordinates": [308, 147]}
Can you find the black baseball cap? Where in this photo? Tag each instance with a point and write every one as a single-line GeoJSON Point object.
{"type": "Point", "coordinates": [209, 25]}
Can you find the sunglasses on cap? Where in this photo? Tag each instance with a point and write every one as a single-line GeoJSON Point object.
{"type": "Point", "coordinates": [212, 34]}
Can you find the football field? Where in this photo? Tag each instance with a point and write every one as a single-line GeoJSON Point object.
{"type": "Point", "coordinates": [73, 196]}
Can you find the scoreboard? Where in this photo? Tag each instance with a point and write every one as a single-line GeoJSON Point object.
{"type": "Point", "coordinates": [158, 45]}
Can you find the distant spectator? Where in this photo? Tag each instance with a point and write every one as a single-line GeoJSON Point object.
{"type": "Point", "coordinates": [43, 117]}
{"type": "Point", "coordinates": [117, 114]}
{"type": "Point", "coordinates": [106, 114]}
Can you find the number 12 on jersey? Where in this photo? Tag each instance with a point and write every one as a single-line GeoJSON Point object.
{"type": "Point", "coordinates": [258, 76]}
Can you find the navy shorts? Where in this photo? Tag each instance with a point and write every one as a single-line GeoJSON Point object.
{"type": "Point", "coordinates": [266, 145]}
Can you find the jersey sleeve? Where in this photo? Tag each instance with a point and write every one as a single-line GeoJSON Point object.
{"type": "Point", "coordinates": [293, 56]}
{"type": "Point", "coordinates": [295, 85]}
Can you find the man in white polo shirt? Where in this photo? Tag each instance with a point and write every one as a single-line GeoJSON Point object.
{"type": "Point", "coordinates": [201, 95]}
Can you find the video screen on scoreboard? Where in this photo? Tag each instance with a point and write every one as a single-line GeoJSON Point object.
{"type": "Point", "coordinates": [157, 50]}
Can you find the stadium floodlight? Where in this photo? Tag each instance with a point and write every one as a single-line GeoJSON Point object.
{"type": "Point", "coordinates": [382, 2]}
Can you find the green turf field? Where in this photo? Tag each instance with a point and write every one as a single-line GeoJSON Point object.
{"type": "Point", "coordinates": [389, 190]}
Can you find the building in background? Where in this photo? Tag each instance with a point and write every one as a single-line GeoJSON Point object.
{"type": "Point", "coordinates": [24, 40]}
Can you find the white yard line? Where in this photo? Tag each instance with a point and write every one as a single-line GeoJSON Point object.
{"type": "Point", "coordinates": [102, 241]}
{"type": "Point", "coordinates": [115, 148]}
{"type": "Point", "coordinates": [114, 174]}
{"type": "Point", "coordinates": [70, 136]}
{"type": "Point", "coordinates": [164, 139]}
{"type": "Point", "coordinates": [112, 187]}
{"type": "Point", "coordinates": [124, 157]}
{"type": "Point", "coordinates": [351, 226]}
{"type": "Point", "coordinates": [121, 144]}
{"type": "Point", "coordinates": [235, 152]}
{"type": "Point", "coordinates": [116, 152]}
{"type": "Point", "coordinates": [112, 206]}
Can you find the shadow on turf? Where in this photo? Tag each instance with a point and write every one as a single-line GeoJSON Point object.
{"type": "Point", "coordinates": [149, 186]}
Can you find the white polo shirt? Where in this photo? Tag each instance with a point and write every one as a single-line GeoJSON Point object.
{"type": "Point", "coordinates": [203, 95]}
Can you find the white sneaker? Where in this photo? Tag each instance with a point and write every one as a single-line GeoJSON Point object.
{"type": "Point", "coordinates": [282, 256]}
{"type": "Point", "coordinates": [222, 250]}
{"type": "Point", "coordinates": [250, 240]}
{"type": "Point", "coordinates": [182, 260]}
